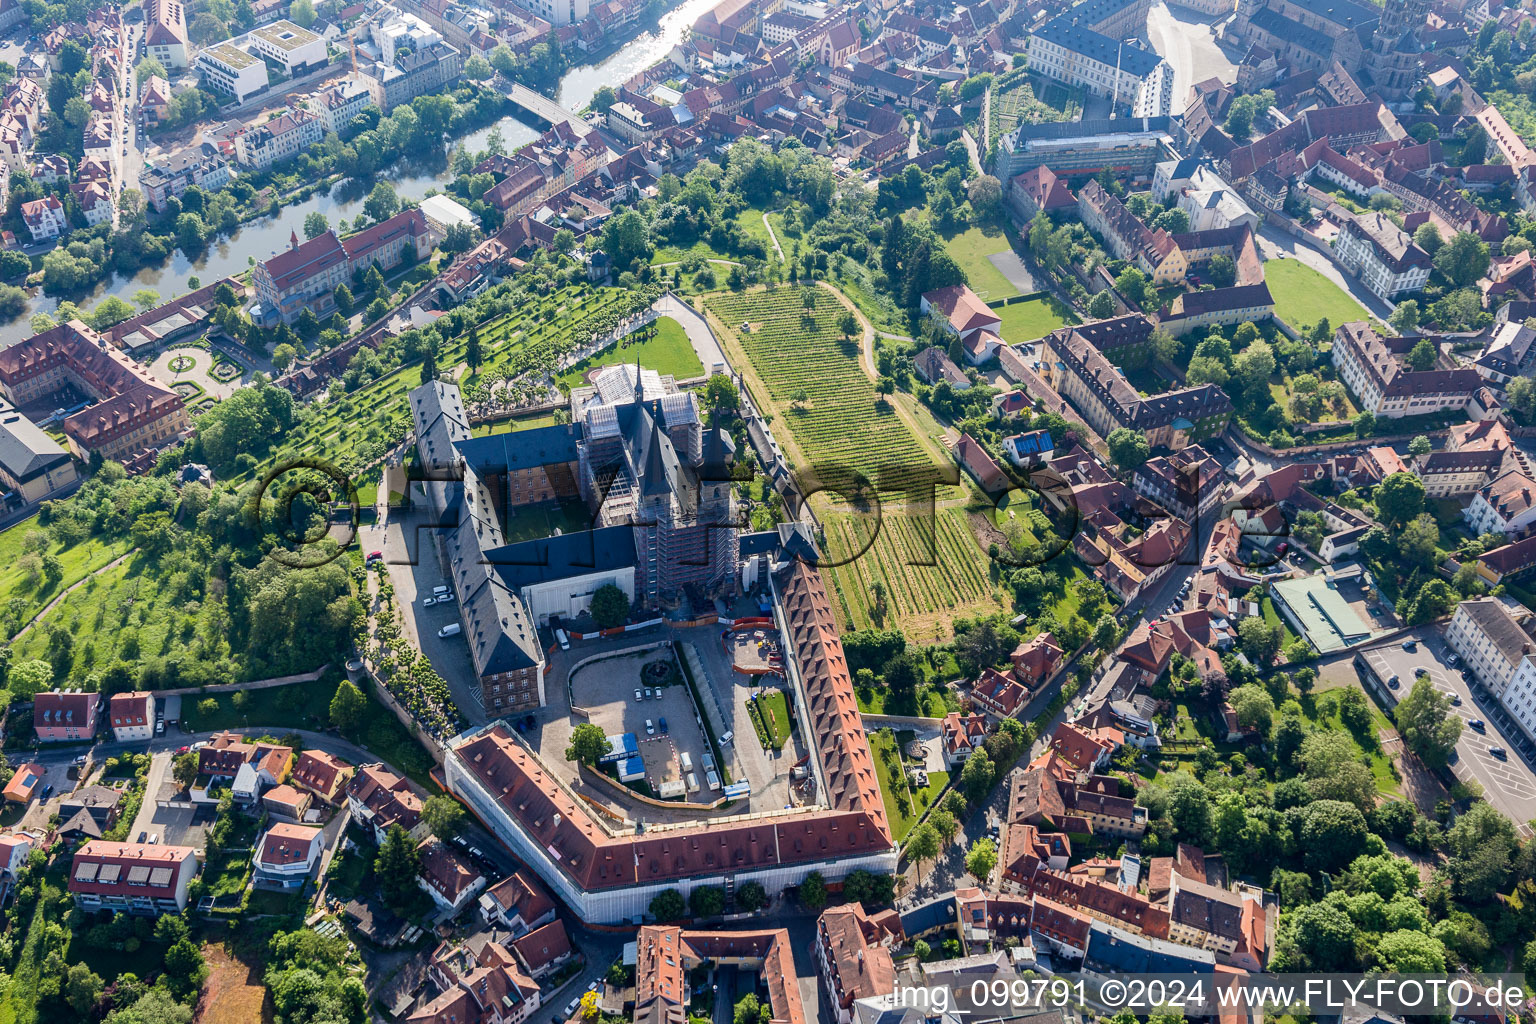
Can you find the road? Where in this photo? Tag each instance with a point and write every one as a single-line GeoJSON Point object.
{"type": "Point", "coordinates": [1188, 43]}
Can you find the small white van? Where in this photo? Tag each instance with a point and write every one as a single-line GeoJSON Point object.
{"type": "Point", "coordinates": [452, 629]}
{"type": "Point", "coordinates": [687, 760]}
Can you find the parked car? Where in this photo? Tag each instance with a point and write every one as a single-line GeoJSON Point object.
{"type": "Point", "coordinates": [428, 602]}
{"type": "Point", "coordinates": [143, 836]}
{"type": "Point", "coordinates": [637, 694]}
{"type": "Point", "coordinates": [1476, 723]}
{"type": "Point", "coordinates": [1455, 700]}
{"type": "Point", "coordinates": [154, 839]}
{"type": "Point", "coordinates": [1392, 682]}
{"type": "Point", "coordinates": [647, 693]}
{"type": "Point", "coordinates": [571, 1007]}
{"type": "Point", "coordinates": [1410, 645]}
{"type": "Point", "coordinates": [662, 724]}
{"type": "Point", "coordinates": [452, 629]}
{"type": "Point", "coordinates": [650, 727]}
{"type": "Point", "coordinates": [1498, 752]}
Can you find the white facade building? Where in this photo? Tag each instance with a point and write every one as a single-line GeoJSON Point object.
{"type": "Point", "coordinates": [1497, 648]}
{"type": "Point", "coordinates": [297, 49]}
{"type": "Point", "coordinates": [231, 70]}
{"type": "Point", "coordinates": [1382, 255]}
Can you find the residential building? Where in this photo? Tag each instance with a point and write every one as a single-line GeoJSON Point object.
{"type": "Point", "coordinates": [378, 799]}
{"type": "Point", "coordinates": [1079, 371]}
{"type": "Point", "coordinates": [1217, 307]}
{"type": "Point", "coordinates": [282, 138]}
{"type": "Point", "coordinates": [137, 878]}
{"type": "Point", "coordinates": [853, 956]}
{"type": "Point", "coordinates": [89, 812]}
{"type": "Point", "coordinates": [248, 768]}
{"type": "Point", "coordinates": [174, 173]}
{"type": "Point", "coordinates": [304, 276]}
{"type": "Point", "coordinates": [1188, 483]}
{"type": "Point", "coordinates": [1371, 367]}
{"type": "Point", "coordinates": [1040, 189]}
{"type": "Point", "coordinates": [962, 734]}
{"type": "Point", "coordinates": [999, 694]}
{"type": "Point", "coordinates": [287, 803]}
{"type": "Point", "coordinates": [1381, 254]}
{"type": "Point", "coordinates": [447, 876]}
{"type": "Point", "coordinates": [1128, 238]}
{"type": "Point", "coordinates": [286, 856]}
{"type": "Point", "coordinates": [62, 715]}
{"type": "Point", "coordinates": [323, 774]}
{"type": "Point", "coordinates": [165, 32]}
{"type": "Point", "coordinates": [155, 100]}
{"type": "Point", "coordinates": [544, 949]}
{"type": "Point", "coordinates": [1073, 48]}
{"type": "Point", "coordinates": [1497, 647]}
{"type": "Point", "coordinates": [1036, 659]}
{"type": "Point", "coordinates": [517, 903]}
{"type": "Point", "coordinates": [488, 987]}
{"type": "Point", "coordinates": [973, 458]}
{"type": "Point", "coordinates": [967, 316]}
{"type": "Point", "coordinates": [132, 716]}
{"type": "Point", "coordinates": [1508, 353]}
{"type": "Point", "coordinates": [1507, 505]}
{"type": "Point", "coordinates": [232, 71]}
{"type": "Point", "coordinates": [1029, 449]}
{"type": "Point", "coordinates": [15, 849]}
{"type": "Point", "coordinates": [339, 104]}
{"type": "Point", "coordinates": [933, 365]}
{"type": "Point", "coordinates": [413, 73]}
{"type": "Point", "coordinates": [44, 218]}
{"type": "Point", "coordinates": [33, 468]}
{"type": "Point", "coordinates": [1508, 560]}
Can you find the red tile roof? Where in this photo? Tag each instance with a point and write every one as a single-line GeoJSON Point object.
{"type": "Point", "coordinates": [56, 710]}
{"type": "Point", "coordinates": [285, 844]}
{"type": "Point", "coordinates": [319, 771]}
{"type": "Point", "coordinates": [963, 307]}
{"type": "Point", "coordinates": [126, 710]}
{"type": "Point", "coordinates": [130, 869]}
{"type": "Point", "coordinates": [542, 946]}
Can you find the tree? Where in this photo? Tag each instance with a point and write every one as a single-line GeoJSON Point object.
{"type": "Point", "coordinates": [1102, 305]}
{"type": "Point", "coordinates": [344, 300]}
{"type": "Point", "coordinates": [206, 30]}
{"type": "Point", "coordinates": [1428, 724]}
{"type": "Point", "coordinates": [315, 224]}
{"type": "Point", "coordinates": [1407, 951]}
{"type": "Point", "coordinates": [848, 324]}
{"type": "Point", "coordinates": [283, 356]}
{"type": "Point", "coordinates": [981, 859]}
{"type": "Point", "coordinates": [1420, 445]}
{"type": "Point", "coordinates": [707, 901]}
{"type": "Point", "coordinates": [588, 744]}
{"type": "Point", "coordinates": [184, 966]}
{"type": "Point", "coordinates": [1399, 498]}
{"type": "Point", "coordinates": [1259, 640]}
{"type": "Point", "coordinates": [1423, 355]}
{"type": "Point", "coordinates": [751, 1010]}
{"type": "Point", "coordinates": [1427, 237]}
{"type": "Point", "coordinates": [302, 12]}
{"type": "Point", "coordinates": [627, 240]}
{"type": "Point", "coordinates": [395, 867]}
{"type": "Point", "coordinates": [1332, 834]}
{"type": "Point", "coordinates": [923, 841]}
{"type": "Point", "coordinates": [149, 68]}
{"type": "Point", "coordinates": [610, 607]}
{"type": "Point", "coordinates": [1522, 394]}
{"type": "Point", "coordinates": [474, 358]}
{"type": "Point", "coordinates": [977, 776]}
{"type": "Point", "coordinates": [1254, 706]}
{"type": "Point", "coordinates": [477, 68]}
{"type": "Point", "coordinates": [30, 678]}
{"type": "Point", "coordinates": [667, 905]}
{"type": "Point", "coordinates": [444, 816]}
{"type": "Point", "coordinates": [382, 203]}
{"type": "Point", "coordinates": [1222, 271]}
{"type": "Point", "coordinates": [1406, 319]}
{"type": "Point", "coordinates": [348, 706]}
{"type": "Point", "coordinates": [1463, 259]}
{"type": "Point", "coordinates": [184, 769]}
{"type": "Point", "coordinates": [751, 896]}
{"type": "Point", "coordinates": [82, 990]}
{"type": "Point", "coordinates": [1128, 448]}
{"type": "Point", "coordinates": [813, 891]}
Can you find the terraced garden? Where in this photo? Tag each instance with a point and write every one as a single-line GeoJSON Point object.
{"type": "Point", "coordinates": [928, 576]}
{"type": "Point", "coordinates": [816, 386]}
{"type": "Point", "coordinates": [1014, 100]}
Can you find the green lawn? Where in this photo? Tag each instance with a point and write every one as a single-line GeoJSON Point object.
{"type": "Point", "coordinates": [1303, 296]}
{"type": "Point", "coordinates": [893, 780]}
{"type": "Point", "coordinates": [667, 351]}
{"type": "Point", "coordinates": [1026, 321]}
{"type": "Point", "coordinates": [1272, 617]}
{"type": "Point", "coordinates": [22, 594]}
{"type": "Point", "coordinates": [970, 249]}
{"type": "Point", "coordinates": [770, 717]}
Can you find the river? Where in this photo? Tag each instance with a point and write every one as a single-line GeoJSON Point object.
{"type": "Point", "coordinates": [259, 239]}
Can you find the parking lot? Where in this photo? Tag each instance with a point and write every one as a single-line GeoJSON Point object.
{"type": "Point", "coordinates": [1508, 782]}
{"type": "Point", "coordinates": [606, 689]}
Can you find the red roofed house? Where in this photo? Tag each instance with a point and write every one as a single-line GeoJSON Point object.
{"type": "Point", "coordinates": [304, 276]}
{"type": "Point", "coordinates": [247, 767]}
{"type": "Point", "coordinates": [132, 715]}
{"type": "Point", "coordinates": [65, 715]}
{"type": "Point", "coordinates": [979, 327]}
{"type": "Point", "coordinates": [378, 798]}
{"type": "Point", "coordinates": [487, 987]}
{"type": "Point", "coordinates": [1040, 188]}
{"type": "Point", "coordinates": [44, 218]}
{"type": "Point", "coordinates": [1087, 752]}
{"type": "Point", "coordinates": [325, 775]}
{"type": "Point", "coordinates": [974, 459]}
{"type": "Point", "coordinates": [25, 783]}
{"type": "Point", "coordinates": [135, 877]}
{"type": "Point", "coordinates": [287, 803]}
{"type": "Point", "coordinates": [1035, 660]}
{"type": "Point", "coordinates": [1000, 694]}
{"type": "Point", "coordinates": [962, 734]}
{"type": "Point", "coordinates": [853, 952]}
{"type": "Point", "coordinates": [15, 848]}
{"type": "Point", "coordinates": [451, 880]}
{"type": "Point", "coordinates": [544, 949]}
{"type": "Point", "coordinates": [286, 855]}
{"type": "Point", "coordinates": [518, 903]}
